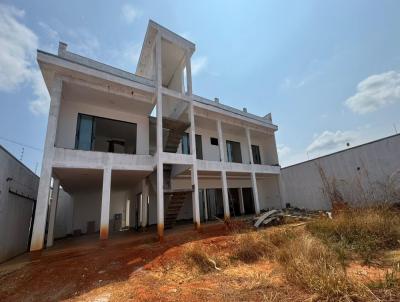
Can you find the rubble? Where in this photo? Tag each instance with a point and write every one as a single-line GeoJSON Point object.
{"type": "Point", "coordinates": [276, 216]}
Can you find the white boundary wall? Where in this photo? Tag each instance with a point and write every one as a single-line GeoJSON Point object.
{"type": "Point", "coordinates": [361, 173]}
{"type": "Point", "coordinates": [15, 210]}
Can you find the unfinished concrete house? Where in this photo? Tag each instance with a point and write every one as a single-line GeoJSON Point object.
{"type": "Point", "coordinates": [125, 168]}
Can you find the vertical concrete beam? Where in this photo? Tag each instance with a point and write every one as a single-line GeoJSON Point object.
{"type": "Point", "coordinates": [105, 204]}
{"type": "Point", "coordinates": [160, 163]}
{"type": "Point", "coordinates": [241, 203]}
{"type": "Point", "coordinates": [38, 231]}
{"type": "Point", "coordinates": [205, 204]}
{"type": "Point", "coordinates": [255, 193]}
{"type": "Point", "coordinates": [145, 194]}
{"type": "Point", "coordinates": [194, 174]}
{"type": "Point", "coordinates": [220, 141]}
{"type": "Point", "coordinates": [249, 146]}
{"type": "Point", "coordinates": [225, 195]}
{"type": "Point", "coordinates": [53, 212]}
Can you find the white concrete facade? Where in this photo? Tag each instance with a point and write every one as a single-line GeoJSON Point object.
{"type": "Point", "coordinates": [134, 183]}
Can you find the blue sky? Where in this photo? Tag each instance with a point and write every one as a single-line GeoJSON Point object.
{"type": "Point", "coordinates": [329, 71]}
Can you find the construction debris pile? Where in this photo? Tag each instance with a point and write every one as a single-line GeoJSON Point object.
{"type": "Point", "coordinates": [274, 217]}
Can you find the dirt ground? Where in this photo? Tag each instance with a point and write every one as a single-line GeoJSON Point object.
{"type": "Point", "coordinates": [136, 267]}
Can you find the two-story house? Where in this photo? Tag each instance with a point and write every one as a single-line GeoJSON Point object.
{"type": "Point", "coordinates": [140, 149]}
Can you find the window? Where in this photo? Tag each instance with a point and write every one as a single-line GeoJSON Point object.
{"type": "Point", "coordinates": [214, 141]}
{"type": "Point", "coordinates": [256, 154]}
{"type": "Point", "coordinates": [105, 135]}
{"type": "Point", "coordinates": [234, 154]}
{"type": "Point", "coordinates": [84, 132]}
{"type": "Point", "coordinates": [186, 145]}
{"type": "Point", "coordinates": [199, 147]}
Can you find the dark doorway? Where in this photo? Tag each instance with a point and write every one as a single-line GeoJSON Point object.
{"type": "Point", "coordinates": [215, 204]}
{"type": "Point", "coordinates": [248, 200]}
{"type": "Point", "coordinates": [234, 203]}
{"type": "Point", "coordinates": [137, 209]}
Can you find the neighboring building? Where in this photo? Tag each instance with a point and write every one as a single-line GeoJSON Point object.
{"type": "Point", "coordinates": [362, 174]}
{"type": "Point", "coordinates": [123, 168]}
{"type": "Point", "coordinates": [18, 191]}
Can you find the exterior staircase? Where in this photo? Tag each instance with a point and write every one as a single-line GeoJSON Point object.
{"type": "Point", "coordinates": [173, 131]}
{"type": "Point", "coordinates": [175, 201]}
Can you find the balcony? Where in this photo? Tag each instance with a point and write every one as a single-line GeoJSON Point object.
{"type": "Point", "coordinates": [70, 158]}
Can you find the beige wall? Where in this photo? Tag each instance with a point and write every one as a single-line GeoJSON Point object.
{"type": "Point", "coordinates": [67, 123]}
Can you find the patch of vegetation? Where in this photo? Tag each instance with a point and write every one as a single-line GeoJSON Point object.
{"type": "Point", "coordinates": [196, 256]}
{"type": "Point", "coordinates": [388, 289]}
{"type": "Point", "coordinates": [365, 231]}
{"type": "Point", "coordinates": [250, 248]}
{"type": "Point", "coordinates": [310, 264]}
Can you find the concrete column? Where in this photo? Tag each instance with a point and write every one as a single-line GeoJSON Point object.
{"type": "Point", "coordinates": [255, 193]}
{"type": "Point", "coordinates": [220, 141]}
{"type": "Point", "coordinates": [145, 197]}
{"type": "Point", "coordinates": [225, 195]}
{"type": "Point", "coordinates": [195, 182]}
{"type": "Point", "coordinates": [105, 204]}
{"type": "Point", "coordinates": [241, 203]}
{"type": "Point", "coordinates": [39, 226]}
{"type": "Point", "coordinates": [53, 212]}
{"type": "Point", "coordinates": [160, 163]}
{"type": "Point", "coordinates": [249, 145]}
{"type": "Point", "coordinates": [205, 204]}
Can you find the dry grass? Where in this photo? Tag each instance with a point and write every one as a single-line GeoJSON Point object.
{"type": "Point", "coordinates": [365, 231]}
{"type": "Point", "coordinates": [310, 264]}
{"type": "Point", "coordinates": [196, 256]}
{"type": "Point", "coordinates": [251, 247]}
{"type": "Point", "coordinates": [388, 289]}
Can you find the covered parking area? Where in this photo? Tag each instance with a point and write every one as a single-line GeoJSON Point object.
{"type": "Point", "coordinates": [100, 205]}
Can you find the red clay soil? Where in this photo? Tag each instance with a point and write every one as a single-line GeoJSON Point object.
{"type": "Point", "coordinates": [135, 267]}
{"type": "Point", "coordinates": [75, 267]}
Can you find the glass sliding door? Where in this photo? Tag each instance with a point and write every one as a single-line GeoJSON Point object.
{"type": "Point", "coordinates": [256, 154]}
{"type": "Point", "coordinates": [84, 133]}
{"type": "Point", "coordinates": [233, 152]}
{"type": "Point", "coordinates": [105, 135]}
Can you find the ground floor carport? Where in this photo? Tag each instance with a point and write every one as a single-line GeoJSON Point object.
{"type": "Point", "coordinates": [102, 202]}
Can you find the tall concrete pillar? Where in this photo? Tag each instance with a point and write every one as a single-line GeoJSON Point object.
{"type": "Point", "coordinates": [205, 204]}
{"type": "Point", "coordinates": [53, 212]}
{"type": "Point", "coordinates": [255, 193]}
{"type": "Point", "coordinates": [225, 195]}
{"type": "Point", "coordinates": [39, 225]}
{"type": "Point", "coordinates": [145, 198]}
{"type": "Point", "coordinates": [194, 175]}
{"type": "Point", "coordinates": [105, 204]}
{"type": "Point", "coordinates": [160, 163]}
{"type": "Point", "coordinates": [220, 141]}
{"type": "Point", "coordinates": [241, 202]}
{"type": "Point", "coordinates": [249, 146]}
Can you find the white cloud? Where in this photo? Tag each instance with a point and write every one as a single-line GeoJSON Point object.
{"type": "Point", "coordinates": [329, 141]}
{"type": "Point", "coordinates": [130, 13]}
{"type": "Point", "coordinates": [375, 92]}
{"type": "Point", "coordinates": [41, 103]}
{"type": "Point", "coordinates": [283, 150]}
{"type": "Point", "coordinates": [199, 64]}
{"type": "Point", "coordinates": [18, 46]}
